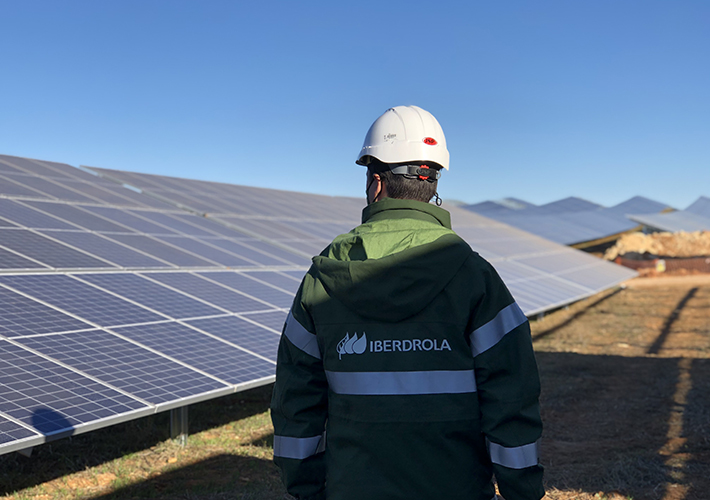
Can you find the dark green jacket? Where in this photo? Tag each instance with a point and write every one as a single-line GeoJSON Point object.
{"type": "Point", "coordinates": [405, 349]}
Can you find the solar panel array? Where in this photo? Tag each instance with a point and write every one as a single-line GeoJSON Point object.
{"type": "Point", "coordinates": [694, 218]}
{"type": "Point", "coordinates": [120, 302]}
{"type": "Point", "coordinates": [121, 306]}
{"type": "Point", "coordinates": [541, 274]}
{"type": "Point", "coordinates": [571, 221]}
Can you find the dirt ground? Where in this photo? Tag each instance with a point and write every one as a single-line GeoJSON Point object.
{"type": "Point", "coordinates": [626, 392]}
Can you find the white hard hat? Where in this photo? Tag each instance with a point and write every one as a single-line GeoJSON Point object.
{"type": "Point", "coordinates": [405, 134]}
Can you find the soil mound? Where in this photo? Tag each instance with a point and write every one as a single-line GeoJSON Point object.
{"type": "Point", "coordinates": [680, 244]}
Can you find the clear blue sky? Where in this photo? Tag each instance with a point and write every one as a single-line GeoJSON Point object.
{"type": "Point", "coordinates": [539, 99]}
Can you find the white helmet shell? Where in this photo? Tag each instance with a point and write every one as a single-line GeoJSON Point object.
{"type": "Point", "coordinates": [403, 134]}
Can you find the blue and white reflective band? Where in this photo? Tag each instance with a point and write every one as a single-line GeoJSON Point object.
{"type": "Point", "coordinates": [401, 383]}
{"type": "Point", "coordinates": [298, 448]}
{"type": "Point", "coordinates": [488, 335]}
{"type": "Point", "coordinates": [518, 457]}
{"type": "Point", "coordinates": [300, 337]}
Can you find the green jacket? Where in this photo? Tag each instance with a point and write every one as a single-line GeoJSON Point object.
{"type": "Point", "coordinates": [405, 349]}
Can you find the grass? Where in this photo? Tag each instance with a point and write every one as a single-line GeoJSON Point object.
{"type": "Point", "coordinates": [626, 405]}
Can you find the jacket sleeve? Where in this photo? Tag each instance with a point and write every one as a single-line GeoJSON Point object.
{"type": "Point", "coordinates": [299, 407]}
{"type": "Point", "coordinates": [508, 389]}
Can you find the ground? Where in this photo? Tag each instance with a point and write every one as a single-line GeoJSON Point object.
{"type": "Point", "coordinates": [625, 402]}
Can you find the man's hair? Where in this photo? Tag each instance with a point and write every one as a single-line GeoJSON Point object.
{"type": "Point", "coordinates": [402, 187]}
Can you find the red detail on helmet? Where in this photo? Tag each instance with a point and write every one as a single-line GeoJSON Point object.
{"type": "Point", "coordinates": [430, 141]}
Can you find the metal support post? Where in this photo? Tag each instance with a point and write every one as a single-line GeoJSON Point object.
{"type": "Point", "coordinates": [178, 425]}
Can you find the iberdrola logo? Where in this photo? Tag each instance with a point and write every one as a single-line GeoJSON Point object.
{"type": "Point", "coordinates": [352, 345]}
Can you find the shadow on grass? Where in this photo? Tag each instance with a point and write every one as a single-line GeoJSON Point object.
{"type": "Point", "coordinates": [219, 477]}
{"type": "Point", "coordinates": [69, 455]}
{"type": "Point", "coordinates": [576, 315]}
{"type": "Point", "coordinates": [636, 426]}
{"type": "Point", "coordinates": [672, 318]}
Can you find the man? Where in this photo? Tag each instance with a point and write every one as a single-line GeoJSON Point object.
{"type": "Point", "coordinates": [405, 347]}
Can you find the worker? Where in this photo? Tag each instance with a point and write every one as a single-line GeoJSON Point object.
{"type": "Point", "coordinates": [405, 369]}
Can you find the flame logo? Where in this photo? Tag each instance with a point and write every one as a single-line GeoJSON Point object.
{"type": "Point", "coordinates": [352, 345]}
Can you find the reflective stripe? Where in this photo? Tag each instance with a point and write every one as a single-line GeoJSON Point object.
{"type": "Point", "coordinates": [518, 457]}
{"type": "Point", "coordinates": [298, 448]}
{"type": "Point", "coordinates": [401, 383]}
{"type": "Point", "coordinates": [491, 333]}
{"type": "Point", "coordinates": [300, 337]}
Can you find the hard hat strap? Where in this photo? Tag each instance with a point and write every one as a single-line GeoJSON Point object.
{"type": "Point", "coordinates": [422, 172]}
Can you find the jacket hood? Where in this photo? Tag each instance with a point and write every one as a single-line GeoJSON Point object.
{"type": "Point", "coordinates": [392, 266]}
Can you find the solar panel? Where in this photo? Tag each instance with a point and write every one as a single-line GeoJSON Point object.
{"type": "Point", "coordinates": [10, 187]}
{"type": "Point", "coordinates": [24, 316]}
{"type": "Point", "coordinates": [106, 249]}
{"type": "Point", "coordinates": [271, 319]}
{"type": "Point", "coordinates": [52, 189]}
{"type": "Point", "coordinates": [241, 333]}
{"type": "Point", "coordinates": [244, 249]}
{"type": "Point", "coordinates": [701, 206]}
{"type": "Point", "coordinates": [205, 248]}
{"type": "Point", "coordinates": [124, 365]}
{"type": "Point", "coordinates": [177, 225]}
{"type": "Point", "coordinates": [6, 167]}
{"type": "Point", "coordinates": [166, 252]}
{"type": "Point", "coordinates": [130, 220]}
{"type": "Point", "coordinates": [247, 284]}
{"type": "Point", "coordinates": [674, 221]}
{"type": "Point", "coordinates": [12, 432]}
{"type": "Point", "coordinates": [46, 251]}
{"type": "Point", "coordinates": [278, 279]}
{"type": "Point", "coordinates": [35, 167]}
{"type": "Point", "coordinates": [10, 260]}
{"type": "Point", "coordinates": [224, 360]}
{"type": "Point", "coordinates": [79, 299]}
{"type": "Point", "coordinates": [219, 295]}
{"type": "Point", "coordinates": [51, 398]}
{"type": "Point", "coordinates": [151, 294]}
{"type": "Point", "coordinates": [119, 339]}
{"type": "Point", "coordinates": [26, 216]}
{"type": "Point", "coordinates": [571, 221]}
{"type": "Point", "coordinates": [77, 216]}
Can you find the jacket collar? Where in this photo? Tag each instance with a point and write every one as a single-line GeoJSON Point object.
{"type": "Point", "coordinates": [391, 208]}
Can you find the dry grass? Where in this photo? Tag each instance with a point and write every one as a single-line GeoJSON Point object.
{"type": "Point", "coordinates": [626, 393]}
{"type": "Point", "coordinates": [626, 405]}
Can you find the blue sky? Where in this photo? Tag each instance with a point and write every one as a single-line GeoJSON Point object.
{"type": "Point", "coordinates": [539, 99]}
